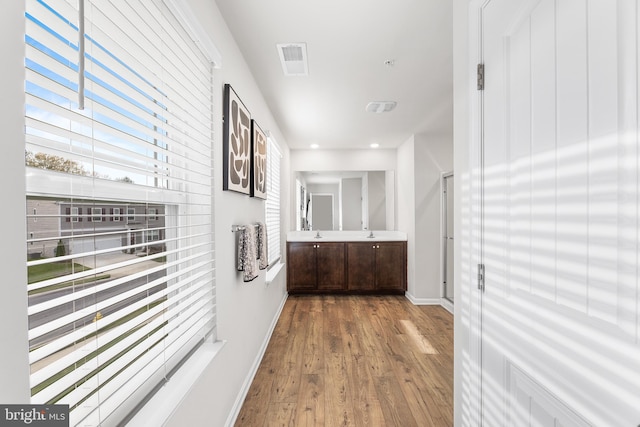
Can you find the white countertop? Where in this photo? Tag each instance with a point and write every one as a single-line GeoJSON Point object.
{"type": "Point", "coordinates": [346, 236]}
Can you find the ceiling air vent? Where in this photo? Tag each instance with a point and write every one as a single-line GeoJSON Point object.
{"type": "Point", "coordinates": [380, 106]}
{"type": "Point", "coordinates": [293, 57]}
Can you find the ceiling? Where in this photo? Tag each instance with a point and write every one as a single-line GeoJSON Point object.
{"type": "Point", "coordinates": [347, 44]}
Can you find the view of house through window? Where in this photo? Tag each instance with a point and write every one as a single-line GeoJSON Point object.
{"type": "Point", "coordinates": [68, 246]}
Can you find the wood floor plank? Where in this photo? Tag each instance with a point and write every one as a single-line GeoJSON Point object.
{"type": "Point", "coordinates": [394, 407]}
{"type": "Point", "coordinates": [256, 403]}
{"type": "Point", "coordinates": [331, 323]}
{"type": "Point", "coordinates": [419, 388]}
{"type": "Point", "coordinates": [280, 415]}
{"type": "Point", "coordinates": [285, 386]}
{"type": "Point", "coordinates": [313, 342]}
{"type": "Point", "coordinates": [313, 351]}
{"type": "Point", "coordinates": [338, 394]}
{"type": "Point", "coordinates": [372, 344]}
{"type": "Point", "coordinates": [367, 408]}
{"type": "Point", "coordinates": [365, 361]}
{"type": "Point", "coordinates": [311, 402]}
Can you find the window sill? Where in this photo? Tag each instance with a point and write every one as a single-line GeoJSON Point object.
{"type": "Point", "coordinates": [160, 407]}
{"type": "Point", "coordinates": [273, 272]}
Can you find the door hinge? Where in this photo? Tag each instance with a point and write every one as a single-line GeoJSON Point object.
{"type": "Point", "coordinates": [481, 277]}
{"type": "Point", "coordinates": [480, 76]}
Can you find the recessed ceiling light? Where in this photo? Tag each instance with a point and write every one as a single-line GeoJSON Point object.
{"type": "Point", "coordinates": [374, 145]}
{"type": "Point", "coordinates": [314, 146]}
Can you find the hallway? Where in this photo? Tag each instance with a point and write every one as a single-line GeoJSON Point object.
{"type": "Point", "coordinates": [370, 361]}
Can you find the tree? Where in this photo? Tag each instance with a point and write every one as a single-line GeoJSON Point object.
{"type": "Point", "coordinates": [60, 249]}
{"type": "Point", "coordinates": [55, 163]}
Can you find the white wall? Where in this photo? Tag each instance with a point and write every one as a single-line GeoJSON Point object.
{"type": "Point", "coordinates": [14, 364]}
{"type": "Point", "coordinates": [406, 205]}
{"type": "Point", "coordinates": [421, 161]}
{"type": "Point", "coordinates": [433, 156]}
{"type": "Point", "coordinates": [246, 311]}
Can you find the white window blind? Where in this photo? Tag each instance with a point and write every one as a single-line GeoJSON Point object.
{"type": "Point", "coordinates": [272, 205]}
{"type": "Point", "coordinates": [120, 260]}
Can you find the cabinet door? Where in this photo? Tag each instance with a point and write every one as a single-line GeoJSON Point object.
{"type": "Point", "coordinates": [361, 266]}
{"type": "Point", "coordinates": [391, 266]}
{"type": "Point", "coordinates": [330, 265]}
{"type": "Point", "coordinates": [301, 266]}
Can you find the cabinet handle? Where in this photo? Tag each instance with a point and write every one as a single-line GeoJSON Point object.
{"type": "Point", "coordinates": [378, 247]}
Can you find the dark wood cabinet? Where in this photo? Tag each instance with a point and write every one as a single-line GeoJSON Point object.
{"type": "Point", "coordinates": [301, 266]}
{"type": "Point", "coordinates": [347, 267]}
{"type": "Point", "coordinates": [377, 266]}
{"type": "Point", "coordinates": [361, 262]}
{"type": "Point", "coordinates": [316, 266]}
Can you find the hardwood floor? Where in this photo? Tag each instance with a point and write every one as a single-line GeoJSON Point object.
{"type": "Point", "coordinates": [371, 361]}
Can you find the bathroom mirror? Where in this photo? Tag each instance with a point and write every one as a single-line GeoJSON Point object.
{"type": "Point", "coordinates": [345, 200]}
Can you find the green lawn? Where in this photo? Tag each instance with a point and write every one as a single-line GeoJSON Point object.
{"type": "Point", "coordinates": [38, 273]}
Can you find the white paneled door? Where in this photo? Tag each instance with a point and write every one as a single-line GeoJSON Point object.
{"type": "Point", "coordinates": [560, 308]}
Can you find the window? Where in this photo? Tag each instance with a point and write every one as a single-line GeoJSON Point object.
{"type": "Point", "coordinates": [272, 205]}
{"type": "Point", "coordinates": [153, 236]}
{"type": "Point", "coordinates": [115, 217]}
{"type": "Point", "coordinates": [119, 114]}
{"type": "Point", "coordinates": [74, 214]}
{"type": "Point", "coordinates": [96, 214]}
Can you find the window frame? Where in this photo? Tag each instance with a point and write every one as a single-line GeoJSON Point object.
{"type": "Point", "coordinates": [57, 185]}
{"type": "Point", "coordinates": [273, 214]}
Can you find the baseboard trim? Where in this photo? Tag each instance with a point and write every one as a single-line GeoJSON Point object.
{"type": "Point", "coordinates": [448, 305]}
{"type": "Point", "coordinates": [423, 301]}
{"type": "Point", "coordinates": [233, 416]}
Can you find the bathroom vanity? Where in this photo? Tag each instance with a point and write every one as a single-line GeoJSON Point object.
{"type": "Point", "coordinates": [358, 262]}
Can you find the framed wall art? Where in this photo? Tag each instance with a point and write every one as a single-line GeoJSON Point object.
{"type": "Point", "coordinates": [236, 144]}
{"type": "Point", "coordinates": [258, 162]}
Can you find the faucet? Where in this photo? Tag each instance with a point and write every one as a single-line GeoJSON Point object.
{"type": "Point", "coordinates": [371, 236]}
{"type": "Point", "coordinates": [318, 234]}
